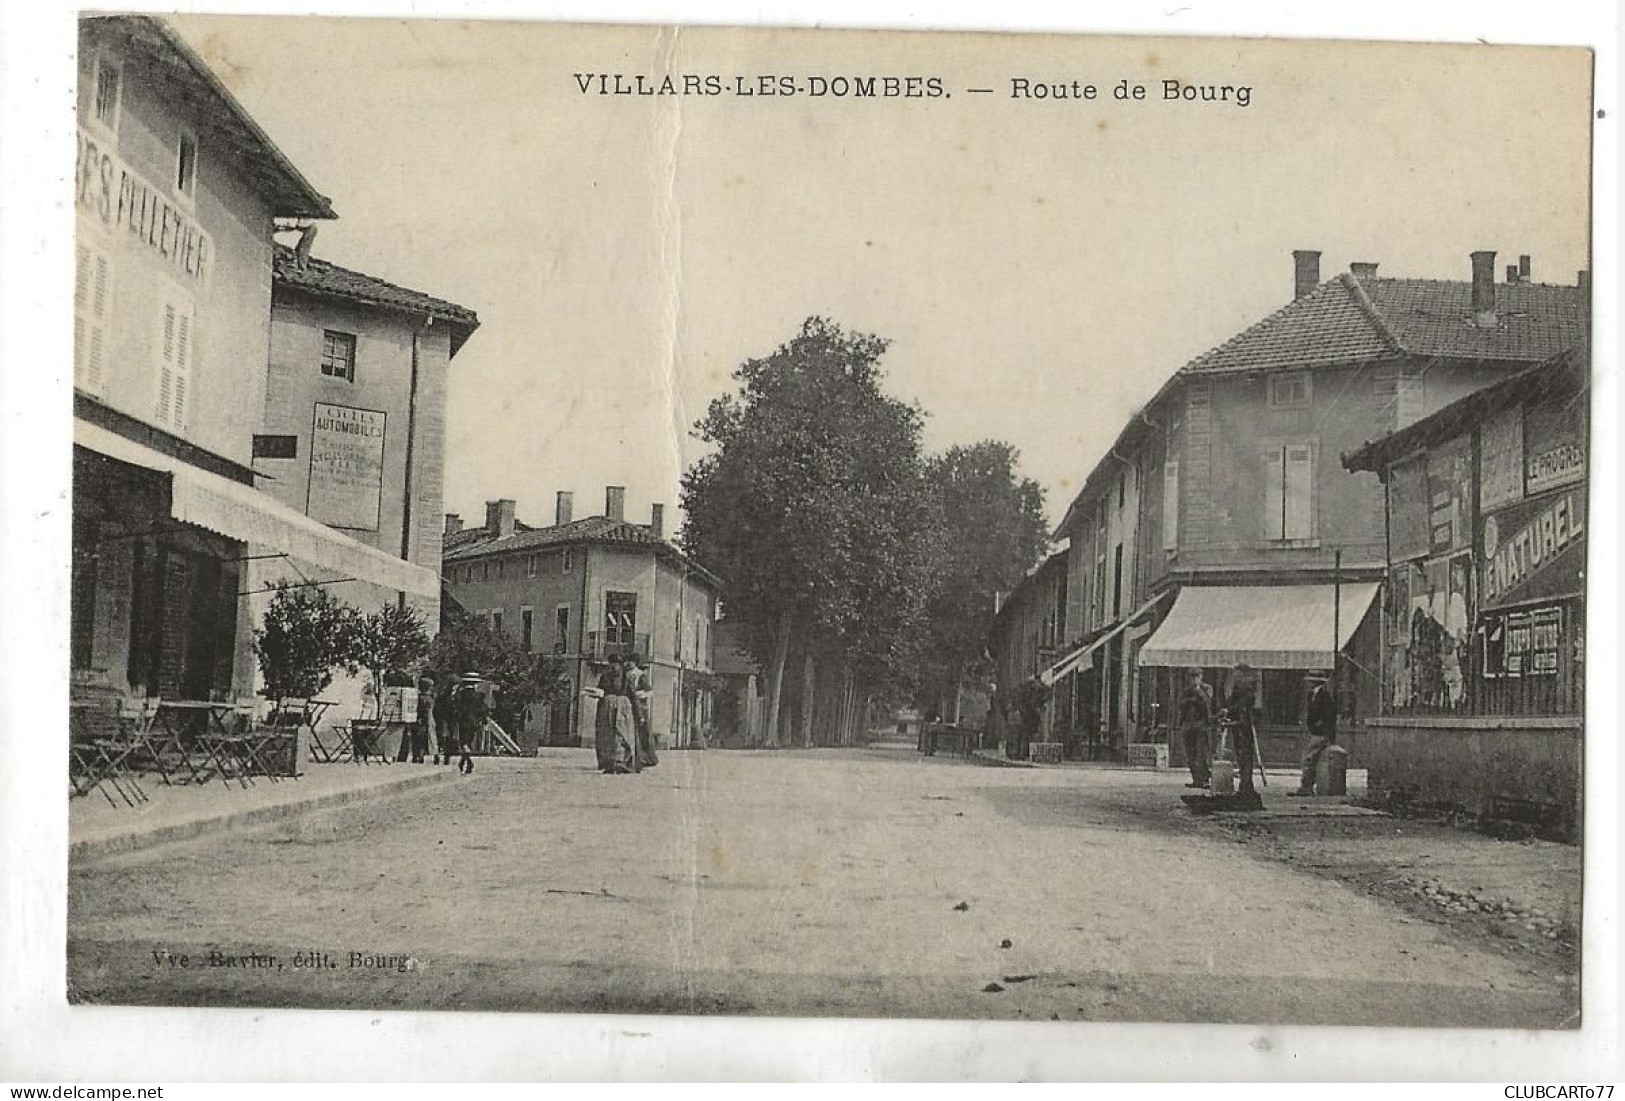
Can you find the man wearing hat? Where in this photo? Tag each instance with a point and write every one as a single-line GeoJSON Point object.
{"type": "Point", "coordinates": [1241, 709]}
{"type": "Point", "coordinates": [471, 711]}
{"type": "Point", "coordinates": [1321, 718]}
{"type": "Point", "coordinates": [1195, 712]}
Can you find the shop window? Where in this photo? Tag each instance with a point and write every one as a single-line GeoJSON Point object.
{"type": "Point", "coordinates": [338, 355]}
{"type": "Point", "coordinates": [186, 166]}
{"type": "Point", "coordinates": [176, 345]}
{"type": "Point", "coordinates": [1289, 491]}
{"type": "Point", "coordinates": [92, 305]}
{"type": "Point", "coordinates": [109, 93]}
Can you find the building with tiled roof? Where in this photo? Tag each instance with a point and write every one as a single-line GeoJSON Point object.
{"type": "Point", "coordinates": [1229, 477]}
{"type": "Point", "coordinates": [585, 590]}
{"type": "Point", "coordinates": [355, 424]}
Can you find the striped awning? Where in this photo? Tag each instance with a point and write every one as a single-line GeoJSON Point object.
{"type": "Point", "coordinates": [1265, 626]}
{"type": "Point", "coordinates": [237, 511]}
{"type": "Point", "coordinates": [1077, 657]}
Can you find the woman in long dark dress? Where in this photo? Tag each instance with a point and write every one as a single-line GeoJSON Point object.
{"type": "Point", "coordinates": [637, 686]}
{"type": "Point", "coordinates": [615, 731]}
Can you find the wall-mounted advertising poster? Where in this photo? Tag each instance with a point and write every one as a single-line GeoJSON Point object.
{"type": "Point", "coordinates": [346, 466]}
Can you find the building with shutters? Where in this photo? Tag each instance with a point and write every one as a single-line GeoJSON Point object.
{"type": "Point", "coordinates": [1482, 667]}
{"type": "Point", "coordinates": [1220, 526]}
{"type": "Point", "coordinates": [177, 192]}
{"type": "Point", "coordinates": [582, 590]}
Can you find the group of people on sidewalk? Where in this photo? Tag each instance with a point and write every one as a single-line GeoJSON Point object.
{"type": "Point", "coordinates": [1237, 721]}
{"type": "Point", "coordinates": [452, 718]}
{"type": "Point", "coordinates": [621, 733]}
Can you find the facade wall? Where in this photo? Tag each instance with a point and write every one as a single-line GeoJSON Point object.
{"type": "Point", "coordinates": [383, 384]}
{"type": "Point", "coordinates": [502, 583]}
{"type": "Point", "coordinates": [227, 297]}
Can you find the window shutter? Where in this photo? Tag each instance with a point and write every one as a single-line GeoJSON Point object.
{"type": "Point", "coordinates": [183, 365]}
{"type": "Point", "coordinates": [166, 367]}
{"type": "Point", "coordinates": [1273, 493]}
{"type": "Point", "coordinates": [1300, 492]}
{"type": "Point", "coordinates": [92, 302]}
{"type": "Point", "coordinates": [1170, 505]}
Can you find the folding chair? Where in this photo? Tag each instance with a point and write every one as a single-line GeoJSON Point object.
{"type": "Point", "coordinates": [367, 742]}
{"type": "Point", "coordinates": [101, 760]}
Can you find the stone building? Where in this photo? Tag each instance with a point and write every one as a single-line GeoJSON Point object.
{"type": "Point", "coordinates": [584, 589]}
{"type": "Point", "coordinates": [1220, 528]}
{"type": "Point", "coordinates": [176, 193]}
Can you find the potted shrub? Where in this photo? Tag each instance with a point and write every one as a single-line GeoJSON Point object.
{"type": "Point", "coordinates": [305, 636]}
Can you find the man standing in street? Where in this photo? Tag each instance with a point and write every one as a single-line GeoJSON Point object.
{"type": "Point", "coordinates": [471, 715]}
{"type": "Point", "coordinates": [1240, 707]}
{"type": "Point", "coordinates": [1195, 723]}
{"type": "Point", "coordinates": [1321, 718]}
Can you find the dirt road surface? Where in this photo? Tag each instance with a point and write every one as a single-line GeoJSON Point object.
{"type": "Point", "coordinates": [860, 883]}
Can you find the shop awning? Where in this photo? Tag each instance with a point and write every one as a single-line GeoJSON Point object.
{"type": "Point", "coordinates": [1082, 653]}
{"type": "Point", "coordinates": [239, 511]}
{"type": "Point", "coordinates": [1266, 626]}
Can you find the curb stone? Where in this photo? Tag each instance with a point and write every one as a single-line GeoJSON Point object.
{"type": "Point", "coordinates": [182, 831]}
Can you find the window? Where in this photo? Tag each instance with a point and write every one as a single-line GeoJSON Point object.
{"type": "Point", "coordinates": [186, 165]}
{"type": "Point", "coordinates": [567, 561]}
{"type": "Point", "coordinates": [109, 93]}
{"type": "Point", "coordinates": [501, 563]}
{"type": "Point", "coordinates": [620, 618]}
{"type": "Point", "coordinates": [677, 633]}
{"type": "Point", "coordinates": [526, 624]}
{"type": "Point", "coordinates": [92, 305]}
{"type": "Point", "coordinates": [1170, 505]}
{"type": "Point", "coordinates": [496, 621]}
{"type": "Point", "coordinates": [1289, 491]}
{"type": "Point", "coordinates": [1289, 391]}
{"type": "Point", "coordinates": [530, 565]}
{"type": "Point", "coordinates": [338, 355]}
{"type": "Point", "coordinates": [561, 629]}
{"type": "Point", "coordinates": [1117, 581]}
{"type": "Point", "coordinates": [175, 351]}
{"type": "Point", "coordinates": [485, 571]}
{"type": "Point", "coordinates": [1122, 488]}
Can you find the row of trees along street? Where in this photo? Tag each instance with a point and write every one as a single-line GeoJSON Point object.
{"type": "Point", "coordinates": [845, 548]}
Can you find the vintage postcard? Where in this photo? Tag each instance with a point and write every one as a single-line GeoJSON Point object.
{"type": "Point", "coordinates": [810, 523]}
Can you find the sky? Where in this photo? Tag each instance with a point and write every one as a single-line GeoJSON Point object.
{"type": "Point", "coordinates": [1040, 266]}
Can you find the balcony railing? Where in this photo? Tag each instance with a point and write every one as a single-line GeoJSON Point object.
{"type": "Point", "coordinates": [601, 644]}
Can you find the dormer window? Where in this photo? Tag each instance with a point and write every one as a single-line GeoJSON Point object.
{"type": "Point", "coordinates": [109, 92]}
{"type": "Point", "coordinates": [1289, 391]}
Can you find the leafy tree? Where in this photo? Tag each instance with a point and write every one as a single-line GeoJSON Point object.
{"type": "Point", "coordinates": [813, 508]}
{"type": "Point", "coordinates": [305, 636]}
{"type": "Point", "coordinates": [392, 641]}
{"type": "Point", "coordinates": [994, 531]}
{"type": "Point", "coordinates": [467, 644]}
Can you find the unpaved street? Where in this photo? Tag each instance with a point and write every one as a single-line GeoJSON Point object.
{"type": "Point", "coordinates": [859, 882]}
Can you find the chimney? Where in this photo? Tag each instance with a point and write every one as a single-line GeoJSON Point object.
{"type": "Point", "coordinates": [1305, 271]}
{"type": "Point", "coordinates": [301, 251]}
{"type": "Point", "coordinates": [565, 508]}
{"type": "Point", "coordinates": [1484, 289]}
{"type": "Point", "coordinates": [1523, 268]}
{"type": "Point", "coordinates": [657, 521]}
{"type": "Point", "coordinates": [1512, 273]}
{"type": "Point", "coordinates": [1582, 279]}
{"type": "Point", "coordinates": [615, 503]}
{"type": "Point", "coordinates": [454, 523]}
{"type": "Point", "coordinates": [499, 517]}
{"type": "Point", "coordinates": [1363, 269]}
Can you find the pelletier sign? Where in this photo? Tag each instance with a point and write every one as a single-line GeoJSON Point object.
{"type": "Point", "coordinates": [114, 193]}
{"type": "Point", "coordinates": [346, 466]}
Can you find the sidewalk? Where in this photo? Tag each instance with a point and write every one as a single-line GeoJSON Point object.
{"type": "Point", "coordinates": [181, 811]}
